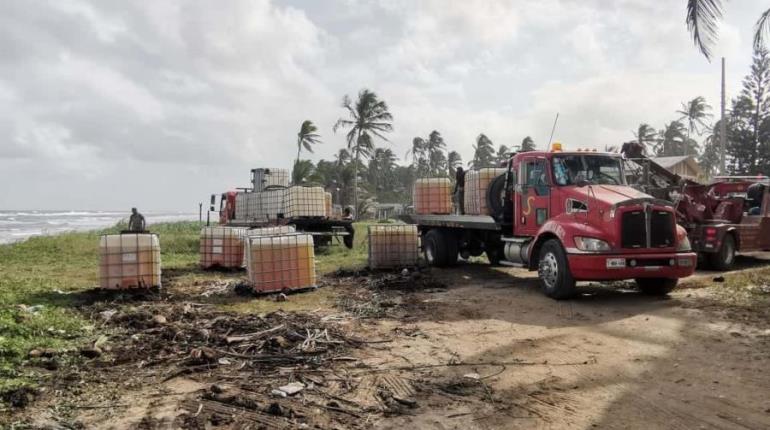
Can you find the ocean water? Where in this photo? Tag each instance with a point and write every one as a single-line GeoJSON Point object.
{"type": "Point", "coordinates": [20, 225]}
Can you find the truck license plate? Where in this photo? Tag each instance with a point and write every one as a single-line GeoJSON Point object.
{"type": "Point", "coordinates": [616, 263]}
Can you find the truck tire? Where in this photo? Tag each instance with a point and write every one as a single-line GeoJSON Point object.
{"type": "Point", "coordinates": [494, 251]}
{"type": "Point", "coordinates": [724, 258]}
{"type": "Point", "coordinates": [494, 256]}
{"type": "Point", "coordinates": [495, 196]}
{"type": "Point", "coordinates": [656, 286]}
{"type": "Point", "coordinates": [439, 248]}
{"type": "Point", "coordinates": [556, 279]}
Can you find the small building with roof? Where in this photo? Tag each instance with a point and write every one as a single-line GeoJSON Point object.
{"type": "Point", "coordinates": [683, 165]}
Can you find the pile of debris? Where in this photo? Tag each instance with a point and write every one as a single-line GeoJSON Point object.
{"type": "Point", "coordinates": [379, 294]}
{"type": "Point", "coordinates": [197, 337]}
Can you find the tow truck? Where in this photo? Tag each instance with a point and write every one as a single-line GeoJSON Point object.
{"type": "Point", "coordinates": [572, 217]}
{"type": "Point", "coordinates": [720, 218]}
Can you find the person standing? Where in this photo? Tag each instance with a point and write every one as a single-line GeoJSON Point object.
{"type": "Point", "coordinates": [459, 190]}
{"type": "Point", "coordinates": [136, 223]}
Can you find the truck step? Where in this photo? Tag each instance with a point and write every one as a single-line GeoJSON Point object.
{"type": "Point", "coordinates": [510, 264]}
{"type": "Point", "coordinates": [516, 239]}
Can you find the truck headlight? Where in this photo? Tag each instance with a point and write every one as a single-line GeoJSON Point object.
{"type": "Point", "coordinates": [683, 244]}
{"type": "Point", "coordinates": [591, 244]}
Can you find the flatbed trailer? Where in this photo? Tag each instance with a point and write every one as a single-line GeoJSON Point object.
{"type": "Point", "coordinates": [323, 230]}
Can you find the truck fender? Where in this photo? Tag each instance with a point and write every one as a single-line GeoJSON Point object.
{"type": "Point", "coordinates": [562, 228]}
{"type": "Point", "coordinates": [549, 230]}
{"type": "Point", "coordinates": [737, 237]}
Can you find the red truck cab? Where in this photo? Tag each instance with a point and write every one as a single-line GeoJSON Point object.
{"type": "Point", "coordinates": [227, 207]}
{"type": "Point", "coordinates": [586, 224]}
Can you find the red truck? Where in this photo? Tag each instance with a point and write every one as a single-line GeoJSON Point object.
{"type": "Point", "coordinates": [729, 216]}
{"type": "Point", "coordinates": [572, 217]}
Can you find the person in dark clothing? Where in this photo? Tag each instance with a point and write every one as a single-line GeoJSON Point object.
{"type": "Point", "coordinates": [459, 190]}
{"type": "Point", "coordinates": [754, 195]}
{"type": "Point", "coordinates": [136, 221]}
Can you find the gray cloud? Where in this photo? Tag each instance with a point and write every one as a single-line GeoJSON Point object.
{"type": "Point", "coordinates": [185, 97]}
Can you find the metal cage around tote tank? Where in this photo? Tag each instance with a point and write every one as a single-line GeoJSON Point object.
{"type": "Point", "coordinates": [129, 260]}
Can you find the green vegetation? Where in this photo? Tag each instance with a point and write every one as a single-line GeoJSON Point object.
{"type": "Point", "coordinates": [749, 289]}
{"type": "Point", "coordinates": [37, 277]}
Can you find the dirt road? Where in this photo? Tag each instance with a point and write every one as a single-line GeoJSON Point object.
{"type": "Point", "coordinates": [472, 347]}
{"type": "Point", "coordinates": [610, 359]}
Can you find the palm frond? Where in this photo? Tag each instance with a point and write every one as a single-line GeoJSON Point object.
{"type": "Point", "coordinates": [761, 29]}
{"type": "Point", "coordinates": [341, 123]}
{"type": "Point", "coordinates": [702, 22]}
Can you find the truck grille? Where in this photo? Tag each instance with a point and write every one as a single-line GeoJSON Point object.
{"type": "Point", "coordinates": [634, 227]}
{"type": "Point", "coordinates": [661, 229]}
{"type": "Point", "coordinates": [633, 230]}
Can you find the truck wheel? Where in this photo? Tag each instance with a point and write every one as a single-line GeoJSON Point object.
{"type": "Point", "coordinates": [555, 277]}
{"type": "Point", "coordinates": [494, 255]}
{"type": "Point", "coordinates": [440, 248]}
{"type": "Point", "coordinates": [452, 248]}
{"type": "Point", "coordinates": [725, 257]}
{"type": "Point", "coordinates": [656, 286]}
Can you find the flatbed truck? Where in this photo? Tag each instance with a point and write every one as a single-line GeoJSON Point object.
{"type": "Point", "coordinates": [571, 217]}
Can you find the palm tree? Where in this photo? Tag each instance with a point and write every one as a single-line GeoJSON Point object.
{"type": "Point", "coordinates": [434, 147]}
{"type": "Point", "coordinates": [417, 150]}
{"type": "Point", "coordinates": [695, 112]}
{"type": "Point", "coordinates": [454, 160]}
{"type": "Point", "coordinates": [381, 167]}
{"type": "Point", "coordinates": [527, 144]}
{"type": "Point", "coordinates": [671, 139]}
{"type": "Point", "coordinates": [369, 116]}
{"type": "Point", "coordinates": [702, 21]}
{"type": "Point", "coordinates": [483, 152]}
{"type": "Point", "coordinates": [502, 153]}
{"type": "Point", "coordinates": [302, 171]}
{"type": "Point", "coordinates": [645, 135]}
{"type": "Point", "coordinates": [438, 163]}
{"type": "Point", "coordinates": [307, 137]}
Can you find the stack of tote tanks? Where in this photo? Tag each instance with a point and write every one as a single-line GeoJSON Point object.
{"type": "Point", "coordinates": [271, 199]}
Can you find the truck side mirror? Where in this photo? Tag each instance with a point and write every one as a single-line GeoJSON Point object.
{"type": "Point", "coordinates": [213, 199]}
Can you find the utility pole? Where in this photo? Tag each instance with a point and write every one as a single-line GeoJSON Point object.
{"type": "Point", "coordinates": [200, 212]}
{"type": "Point", "coordinates": [722, 127]}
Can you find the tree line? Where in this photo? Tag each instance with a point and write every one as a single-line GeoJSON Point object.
{"type": "Point", "coordinates": [363, 173]}
{"type": "Point", "coordinates": [747, 125]}
{"type": "Point", "coordinates": [367, 171]}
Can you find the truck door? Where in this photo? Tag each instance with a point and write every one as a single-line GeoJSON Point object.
{"type": "Point", "coordinates": [533, 196]}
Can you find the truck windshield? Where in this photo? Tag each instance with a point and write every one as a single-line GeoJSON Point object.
{"type": "Point", "coordinates": [594, 169]}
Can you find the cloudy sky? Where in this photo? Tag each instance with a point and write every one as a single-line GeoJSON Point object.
{"type": "Point", "coordinates": [108, 104]}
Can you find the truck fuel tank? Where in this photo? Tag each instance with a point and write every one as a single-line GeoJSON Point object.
{"type": "Point", "coordinates": [517, 250]}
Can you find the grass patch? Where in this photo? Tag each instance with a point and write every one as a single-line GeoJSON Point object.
{"type": "Point", "coordinates": [744, 288]}
{"type": "Point", "coordinates": [338, 256]}
{"type": "Point", "coordinates": [35, 275]}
